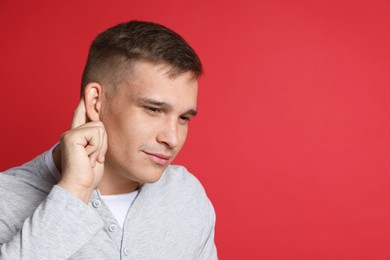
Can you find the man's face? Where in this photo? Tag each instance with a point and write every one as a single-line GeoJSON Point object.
{"type": "Point", "coordinates": [147, 121]}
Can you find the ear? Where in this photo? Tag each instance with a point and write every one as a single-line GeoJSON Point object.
{"type": "Point", "coordinates": [93, 94]}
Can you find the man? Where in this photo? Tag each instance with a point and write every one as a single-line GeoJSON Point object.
{"type": "Point", "coordinates": [108, 191]}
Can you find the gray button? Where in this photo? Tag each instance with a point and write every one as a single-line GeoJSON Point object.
{"type": "Point", "coordinates": [112, 228]}
{"type": "Point", "coordinates": [96, 203]}
{"type": "Point", "coordinates": [126, 251]}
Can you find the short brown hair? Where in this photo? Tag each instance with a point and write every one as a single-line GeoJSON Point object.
{"type": "Point", "coordinates": [113, 51]}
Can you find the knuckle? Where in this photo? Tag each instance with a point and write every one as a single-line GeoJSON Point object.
{"type": "Point", "coordinates": [69, 136]}
{"type": "Point", "coordinates": [66, 136]}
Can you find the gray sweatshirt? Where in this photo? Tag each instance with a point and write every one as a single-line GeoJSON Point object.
{"type": "Point", "coordinates": [169, 219]}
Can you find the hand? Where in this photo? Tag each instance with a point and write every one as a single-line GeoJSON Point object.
{"type": "Point", "coordinates": [83, 149]}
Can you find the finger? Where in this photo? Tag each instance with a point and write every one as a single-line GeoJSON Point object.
{"type": "Point", "coordinates": [94, 144]}
{"type": "Point", "coordinates": [79, 116]}
{"type": "Point", "coordinates": [103, 149]}
{"type": "Point", "coordinates": [100, 153]}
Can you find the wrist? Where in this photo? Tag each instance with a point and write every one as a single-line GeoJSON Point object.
{"type": "Point", "coordinates": [56, 155]}
{"type": "Point", "coordinates": [82, 193]}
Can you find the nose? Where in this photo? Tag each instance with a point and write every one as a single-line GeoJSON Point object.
{"type": "Point", "coordinates": [169, 133]}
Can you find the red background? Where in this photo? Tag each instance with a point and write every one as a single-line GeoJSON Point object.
{"type": "Point", "coordinates": [292, 140]}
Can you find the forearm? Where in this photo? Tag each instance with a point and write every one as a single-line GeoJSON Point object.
{"type": "Point", "coordinates": [58, 228]}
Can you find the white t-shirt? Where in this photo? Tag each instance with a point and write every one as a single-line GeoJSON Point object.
{"type": "Point", "coordinates": [119, 204]}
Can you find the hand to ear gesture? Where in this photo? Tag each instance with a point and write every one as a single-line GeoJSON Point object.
{"type": "Point", "coordinates": [83, 149]}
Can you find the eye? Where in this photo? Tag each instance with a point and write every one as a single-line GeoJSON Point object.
{"type": "Point", "coordinates": [152, 110]}
{"type": "Point", "coordinates": [184, 119]}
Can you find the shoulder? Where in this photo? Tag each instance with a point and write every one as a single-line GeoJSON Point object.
{"type": "Point", "coordinates": [25, 186]}
{"type": "Point", "coordinates": [178, 179]}
{"type": "Point", "coordinates": [179, 216]}
{"type": "Point", "coordinates": [33, 175]}
{"type": "Point", "coordinates": [177, 204]}
{"type": "Point", "coordinates": [180, 189]}
{"type": "Point", "coordinates": [22, 189]}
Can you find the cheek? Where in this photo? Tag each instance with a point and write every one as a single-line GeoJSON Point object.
{"type": "Point", "coordinates": [183, 131]}
{"type": "Point", "coordinates": [128, 132]}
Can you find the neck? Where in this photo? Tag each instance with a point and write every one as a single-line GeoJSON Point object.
{"type": "Point", "coordinates": [113, 183]}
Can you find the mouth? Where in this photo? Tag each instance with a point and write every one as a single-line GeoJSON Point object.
{"type": "Point", "coordinates": [160, 159]}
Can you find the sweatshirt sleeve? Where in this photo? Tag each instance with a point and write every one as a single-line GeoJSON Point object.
{"type": "Point", "coordinates": [209, 250]}
{"type": "Point", "coordinates": [57, 229]}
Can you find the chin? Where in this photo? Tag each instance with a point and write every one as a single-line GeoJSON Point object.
{"type": "Point", "coordinates": [150, 176]}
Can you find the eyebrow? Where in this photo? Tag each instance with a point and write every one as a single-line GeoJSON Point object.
{"type": "Point", "coordinates": [153, 102]}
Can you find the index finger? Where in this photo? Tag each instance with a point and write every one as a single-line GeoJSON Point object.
{"type": "Point", "coordinates": [79, 116]}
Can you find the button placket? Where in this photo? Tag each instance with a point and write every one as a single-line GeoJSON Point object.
{"type": "Point", "coordinates": [96, 203]}
{"type": "Point", "coordinates": [112, 228]}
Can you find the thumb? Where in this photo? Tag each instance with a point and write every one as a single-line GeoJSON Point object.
{"type": "Point", "coordinates": [79, 116]}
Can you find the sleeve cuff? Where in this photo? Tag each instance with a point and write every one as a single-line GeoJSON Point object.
{"type": "Point", "coordinates": [50, 163]}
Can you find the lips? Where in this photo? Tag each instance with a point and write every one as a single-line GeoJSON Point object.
{"type": "Point", "coordinates": [158, 158]}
